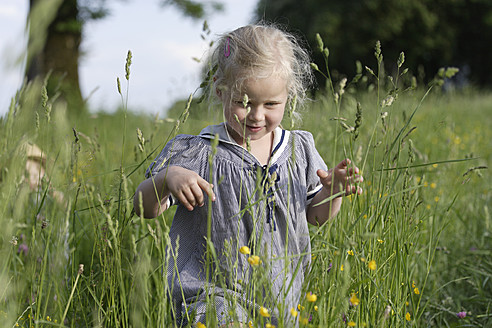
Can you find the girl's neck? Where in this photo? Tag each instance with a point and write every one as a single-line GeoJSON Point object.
{"type": "Point", "coordinates": [261, 149]}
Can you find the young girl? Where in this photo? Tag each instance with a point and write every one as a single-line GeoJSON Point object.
{"type": "Point", "coordinates": [262, 184]}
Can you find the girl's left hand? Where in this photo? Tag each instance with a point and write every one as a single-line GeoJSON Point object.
{"type": "Point", "coordinates": [341, 178]}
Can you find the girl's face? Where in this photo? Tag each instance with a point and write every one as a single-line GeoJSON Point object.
{"type": "Point", "coordinates": [267, 98]}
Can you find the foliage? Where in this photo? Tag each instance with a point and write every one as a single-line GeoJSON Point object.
{"type": "Point", "coordinates": [432, 33]}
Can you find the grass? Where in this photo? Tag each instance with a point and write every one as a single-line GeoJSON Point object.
{"type": "Point", "coordinates": [413, 250]}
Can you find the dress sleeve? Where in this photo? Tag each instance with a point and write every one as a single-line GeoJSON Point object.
{"type": "Point", "coordinates": [313, 161]}
{"type": "Point", "coordinates": [186, 151]}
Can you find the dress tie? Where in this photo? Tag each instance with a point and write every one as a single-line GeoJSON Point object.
{"type": "Point", "coordinates": [269, 177]}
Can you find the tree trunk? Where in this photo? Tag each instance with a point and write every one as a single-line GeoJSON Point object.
{"type": "Point", "coordinates": [55, 51]}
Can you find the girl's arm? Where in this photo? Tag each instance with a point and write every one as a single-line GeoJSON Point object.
{"type": "Point", "coordinates": [340, 178]}
{"type": "Point", "coordinates": [185, 185]}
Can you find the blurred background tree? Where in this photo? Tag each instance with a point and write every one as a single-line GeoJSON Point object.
{"type": "Point", "coordinates": [432, 33]}
{"type": "Point", "coordinates": [55, 36]}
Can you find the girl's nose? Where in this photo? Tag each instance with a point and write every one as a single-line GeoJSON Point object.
{"type": "Point", "coordinates": [256, 114]}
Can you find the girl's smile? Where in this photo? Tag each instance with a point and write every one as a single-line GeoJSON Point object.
{"type": "Point", "coordinates": [254, 129]}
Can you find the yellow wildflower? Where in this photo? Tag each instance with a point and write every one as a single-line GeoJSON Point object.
{"type": "Point", "coordinates": [416, 290]}
{"type": "Point", "coordinates": [200, 325]}
{"type": "Point", "coordinates": [315, 308]}
{"type": "Point", "coordinates": [372, 265]}
{"type": "Point", "coordinates": [407, 316]}
{"type": "Point", "coordinates": [300, 307]}
{"type": "Point", "coordinates": [311, 297]}
{"type": "Point", "coordinates": [293, 312]}
{"type": "Point", "coordinates": [341, 268]}
{"type": "Point", "coordinates": [351, 324]}
{"type": "Point", "coordinates": [269, 325]}
{"type": "Point", "coordinates": [433, 185]}
{"type": "Point", "coordinates": [350, 252]}
{"type": "Point", "coordinates": [354, 300]}
{"type": "Point", "coordinates": [254, 260]}
{"type": "Point", "coordinates": [264, 312]}
{"type": "Point", "coordinates": [244, 250]}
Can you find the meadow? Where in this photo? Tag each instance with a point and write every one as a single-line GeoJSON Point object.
{"type": "Point", "coordinates": [413, 250]}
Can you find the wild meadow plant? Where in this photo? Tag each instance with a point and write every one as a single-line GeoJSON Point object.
{"type": "Point", "coordinates": [380, 252]}
{"type": "Point", "coordinates": [412, 250]}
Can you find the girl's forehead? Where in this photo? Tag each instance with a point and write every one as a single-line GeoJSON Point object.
{"type": "Point", "coordinates": [271, 86]}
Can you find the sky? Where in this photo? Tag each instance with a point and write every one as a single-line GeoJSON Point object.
{"type": "Point", "coordinates": [163, 44]}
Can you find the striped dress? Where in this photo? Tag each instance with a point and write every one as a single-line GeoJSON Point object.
{"type": "Point", "coordinates": [262, 207]}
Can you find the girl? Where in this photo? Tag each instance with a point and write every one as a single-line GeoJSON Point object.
{"type": "Point", "coordinates": [252, 182]}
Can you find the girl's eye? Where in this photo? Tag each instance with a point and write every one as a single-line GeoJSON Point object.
{"type": "Point", "coordinates": [241, 103]}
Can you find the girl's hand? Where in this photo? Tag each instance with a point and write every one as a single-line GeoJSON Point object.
{"type": "Point", "coordinates": [188, 187]}
{"type": "Point", "coordinates": [341, 178]}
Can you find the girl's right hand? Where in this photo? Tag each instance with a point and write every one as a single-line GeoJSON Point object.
{"type": "Point", "coordinates": [188, 187]}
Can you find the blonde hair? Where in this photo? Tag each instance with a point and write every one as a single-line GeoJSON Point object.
{"type": "Point", "coordinates": [259, 51]}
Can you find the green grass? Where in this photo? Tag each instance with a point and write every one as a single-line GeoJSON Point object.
{"type": "Point", "coordinates": [423, 219]}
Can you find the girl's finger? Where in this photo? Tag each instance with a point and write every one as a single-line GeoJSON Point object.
{"type": "Point", "coordinates": [207, 187]}
{"type": "Point", "coordinates": [350, 189]}
{"type": "Point", "coordinates": [344, 164]}
{"type": "Point", "coordinates": [354, 179]}
{"type": "Point", "coordinates": [353, 189]}
{"type": "Point", "coordinates": [197, 194]}
{"type": "Point", "coordinates": [322, 174]}
{"type": "Point", "coordinates": [183, 200]}
{"type": "Point", "coordinates": [190, 201]}
{"type": "Point", "coordinates": [353, 170]}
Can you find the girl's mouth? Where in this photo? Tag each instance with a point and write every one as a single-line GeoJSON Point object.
{"type": "Point", "coordinates": [254, 129]}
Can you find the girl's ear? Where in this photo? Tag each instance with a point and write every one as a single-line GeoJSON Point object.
{"type": "Point", "coordinates": [218, 92]}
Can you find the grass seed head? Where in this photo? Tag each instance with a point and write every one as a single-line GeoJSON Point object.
{"type": "Point", "coordinates": [128, 64]}
{"type": "Point", "coordinates": [319, 42]}
{"type": "Point", "coordinates": [401, 59]}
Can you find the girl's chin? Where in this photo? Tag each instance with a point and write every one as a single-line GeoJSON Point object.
{"type": "Point", "coordinates": [251, 132]}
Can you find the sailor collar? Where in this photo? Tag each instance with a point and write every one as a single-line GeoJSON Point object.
{"type": "Point", "coordinates": [280, 138]}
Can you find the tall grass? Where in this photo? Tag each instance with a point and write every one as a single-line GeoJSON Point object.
{"type": "Point", "coordinates": [413, 250]}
